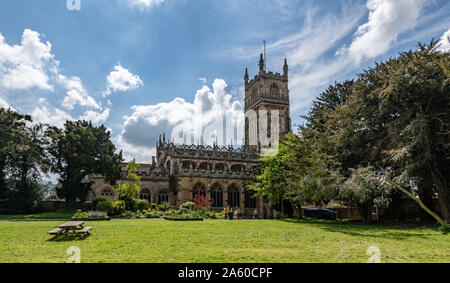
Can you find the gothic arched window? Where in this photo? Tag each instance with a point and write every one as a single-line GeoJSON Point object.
{"type": "Point", "coordinates": [199, 188]}
{"type": "Point", "coordinates": [250, 201]}
{"type": "Point", "coordinates": [163, 197]}
{"type": "Point", "coordinates": [146, 195]}
{"type": "Point", "coordinates": [107, 192]}
{"type": "Point", "coordinates": [233, 196]}
{"type": "Point", "coordinates": [217, 195]}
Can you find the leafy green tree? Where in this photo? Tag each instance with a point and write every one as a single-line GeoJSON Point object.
{"type": "Point", "coordinates": [409, 102]}
{"type": "Point", "coordinates": [363, 191]}
{"type": "Point", "coordinates": [132, 188]}
{"type": "Point", "coordinates": [295, 175]}
{"type": "Point", "coordinates": [80, 150]}
{"type": "Point", "coordinates": [31, 160]}
{"type": "Point", "coordinates": [12, 125]}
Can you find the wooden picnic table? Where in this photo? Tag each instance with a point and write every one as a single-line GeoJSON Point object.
{"type": "Point", "coordinates": [70, 228]}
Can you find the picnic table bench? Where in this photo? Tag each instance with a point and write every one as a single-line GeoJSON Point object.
{"type": "Point", "coordinates": [70, 228]}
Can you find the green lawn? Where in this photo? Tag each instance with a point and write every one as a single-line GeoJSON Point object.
{"type": "Point", "coordinates": [224, 241]}
{"type": "Point", "coordinates": [46, 215]}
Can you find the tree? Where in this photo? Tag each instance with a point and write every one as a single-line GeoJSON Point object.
{"type": "Point", "coordinates": [132, 189]}
{"type": "Point", "coordinates": [295, 176]}
{"type": "Point", "coordinates": [80, 150]}
{"type": "Point", "coordinates": [12, 125]}
{"type": "Point", "coordinates": [30, 159]}
{"type": "Point", "coordinates": [394, 117]}
{"type": "Point", "coordinates": [412, 98]}
{"type": "Point", "coordinates": [362, 191]}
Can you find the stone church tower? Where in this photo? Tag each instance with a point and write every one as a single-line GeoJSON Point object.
{"type": "Point", "coordinates": [267, 94]}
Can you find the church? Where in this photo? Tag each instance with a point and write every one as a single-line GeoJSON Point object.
{"type": "Point", "coordinates": [179, 172]}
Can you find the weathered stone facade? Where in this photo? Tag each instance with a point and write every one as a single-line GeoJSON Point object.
{"type": "Point", "coordinates": [179, 172]}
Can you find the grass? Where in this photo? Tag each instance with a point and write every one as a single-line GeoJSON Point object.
{"type": "Point", "coordinates": [46, 215]}
{"type": "Point", "coordinates": [254, 241]}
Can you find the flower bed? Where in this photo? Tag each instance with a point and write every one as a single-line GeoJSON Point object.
{"type": "Point", "coordinates": [91, 216]}
{"type": "Point", "coordinates": [184, 217]}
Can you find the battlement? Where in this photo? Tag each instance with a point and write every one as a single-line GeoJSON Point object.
{"type": "Point", "coordinates": [206, 152]}
{"type": "Point", "coordinates": [267, 75]}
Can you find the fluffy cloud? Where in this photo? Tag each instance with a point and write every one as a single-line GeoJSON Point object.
{"type": "Point", "coordinates": [445, 42]}
{"type": "Point", "coordinates": [96, 117]}
{"type": "Point", "coordinates": [31, 64]}
{"type": "Point", "coordinates": [144, 3]}
{"type": "Point", "coordinates": [387, 19]}
{"type": "Point", "coordinates": [46, 113]}
{"type": "Point", "coordinates": [4, 104]}
{"type": "Point", "coordinates": [318, 54]}
{"type": "Point", "coordinates": [23, 66]}
{"type": "Point", "coordinates": [121, 80]}
{"type": "Point", "coordinates": [52, 116]}
{"type": "Point", "coordinates": [76, 93]}
{"type": "Point", "coordinates": [212, 116]}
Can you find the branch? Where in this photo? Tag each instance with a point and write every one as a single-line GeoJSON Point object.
{"type": "Point", "coordinates": [422, 205]}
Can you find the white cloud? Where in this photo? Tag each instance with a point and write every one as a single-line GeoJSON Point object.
{"type": "Point", "coordinates": [202, 119]}
{"type": "Point", "coordinates": [312, 70]}
{"type": "Point", "coordinates": [23, 66]}
{"type": "Point", "coordinates": [121, 80]}
{"type": "Point", "coordinates": [31, 64]}
{"type": "Point", "coordinates": [203, 80]}
{"type": "Point", "coordinates": [52, 116]}
{"type": "Point", "coordinates": [46, 113]}
{"type": "Point", "coordinates": [4, 104]}
{"type": "Point", "coordinates": [76, 93]}
{"type": "Point", "coordinates": [96, 117]}
{"type": "Point", "coordinates": [445, 42]}
{"type": "Point", "coordinates": [142, 4]}
{"type": "Point", "coordinates": [387, 20]}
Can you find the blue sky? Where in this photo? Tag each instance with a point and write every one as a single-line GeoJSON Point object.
{"type": "Point", "coordinates": [143, 67]}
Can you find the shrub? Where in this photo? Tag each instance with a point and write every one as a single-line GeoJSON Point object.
{"type": "Point", "coordinates": [96, 201]}
{"type": "Point", "coordinates": [184, 210]}
{"type": "Point", "coordinates": [190, 206]}
{"type": "Point", "coordinates": [153, 206]}
{"type": "Point", "coordinates": [130, 203]}
{"type": "Point", "coordinates": [151, 214]}
{"type": "Point", "coordinates": [445, 229]}
{"type": "Point", "coordinates": [132, 214]}
{"type": "Point", "coordinates": [142, 205]}
{"type": "Point", "coordinates": [118, 207]}
{"type": "Point", "coordinates": [202, 201]}
{"type": "Point", "coordinates": [106, 206]}
{"type": "Point", "coordinates": [90, 215]}
{"type": "Point", "coordinates": [98, 214]}
{"type": "Point", "coordinates": [163, 206]}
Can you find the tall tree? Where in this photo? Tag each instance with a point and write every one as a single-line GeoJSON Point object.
{"type": "Point", "coordinates": [79, 150]}
{"type": "Point", "coordinates": [296, 175]}
{"type": "Point", "coordinates": [30, 159]}
{"type": "Point", "coordinates": [12, 125]}
{"type": "Point", "coordinates": [416, 97]}
{"type": "Point", "coordinates": [130, 190]}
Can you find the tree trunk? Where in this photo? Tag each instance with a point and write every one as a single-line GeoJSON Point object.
{"type": "Point", "coordinates": [299, 211]}
{"type": "Point", "coordinates": [441, 188]}
{"type": "Point", "coordinates": [365, 210]}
